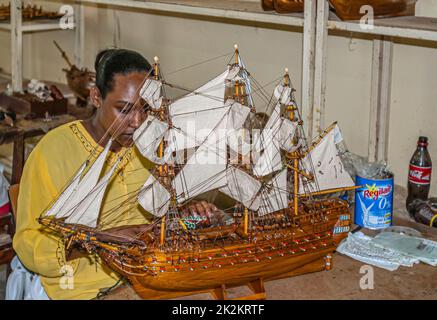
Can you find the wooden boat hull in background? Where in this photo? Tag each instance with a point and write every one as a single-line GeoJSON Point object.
{"type": "Point", "coordinates": [283, 6]}
{"type": "Point", "coordinates": [350, 9]}
{"type": "Point", "coordinates": [289, 6]}
{"type": "Point", "coordinates": [267, 5]}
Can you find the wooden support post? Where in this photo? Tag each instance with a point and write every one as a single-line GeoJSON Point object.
{"type": "Point", "coordinates": [317, 115]}
{"type": "Point", "coordinates": [79, 36]}
{"type": "Point", "coordinates": [309, 30]}
{"type": "Point", "coordinates": [380, 99]}
{"type": "Point", "coordinates": [328, 261]}
{"type": "Point", "coordinates": [116, 22]}
{"type": "Point", "coordinates": [257, 286]}
{"type": "Point", "coordinates": [17, 45]}
{"type": "Point", "coordinates": [219, 293]}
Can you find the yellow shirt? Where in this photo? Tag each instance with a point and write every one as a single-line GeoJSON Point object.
{"type": "Point", "coordinates": [47, 170]}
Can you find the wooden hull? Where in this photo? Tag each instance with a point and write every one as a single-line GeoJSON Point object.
{"type": "Point", "coordinates": [350, 9]}
{"type": "Point", "coordinates": [270, 250]}
{"type": "Point", "coordinates": [229, 276]}
{"type": "Point", "coordinates": [185, 272]}
{"type": "Point", "coordinates": [145, 292]}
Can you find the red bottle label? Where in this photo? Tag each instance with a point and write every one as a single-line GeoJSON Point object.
{"type": "Point", "coordinates": [419, 175]}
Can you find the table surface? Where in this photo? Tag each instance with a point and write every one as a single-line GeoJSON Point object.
{"type": "Point", "coordinates": [36, 127]}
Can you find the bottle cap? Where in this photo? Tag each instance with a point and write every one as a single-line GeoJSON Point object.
{"type": "Point", "coordinates": [423, 141]}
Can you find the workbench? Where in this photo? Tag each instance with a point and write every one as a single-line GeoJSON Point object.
{"type": "Point", "coordinates": [24, 129]}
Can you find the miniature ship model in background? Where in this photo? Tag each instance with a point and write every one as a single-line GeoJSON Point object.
{"type": "Point", "coordinates": [37, 100]}
{"type": "Point", "coordinates": [281, 224]}
{"type": "Point", "coordinates": [349, 9]}
{"type": "Point", "coordinates": [78, 80]}
{"type": "Point", "coordinates": [29, 12]}
{"type": "Point", "coordinates": [283, 6]}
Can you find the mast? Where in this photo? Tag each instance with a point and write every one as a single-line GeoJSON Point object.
{"type": "Point", "coordinates": [237, 89]}
{"type": "Point", "coordinates": [161, 168]}
{"type": "Point", "coordinates": [246, 221]}
{"type": "Point", "coordinates": [240, 98]}
{"type": "Point", "coordinates": [295, 154]}
{"type": "Point", "coordinates": [64, 55]}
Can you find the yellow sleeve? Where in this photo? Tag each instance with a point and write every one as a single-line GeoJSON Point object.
{"type": "Point", "coordinates": [38, 249]}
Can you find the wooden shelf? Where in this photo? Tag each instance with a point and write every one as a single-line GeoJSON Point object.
{"type": "Point", "coordinates": [32, 26]}
{"type": "Point", "coordinates": [408, 27]}
{"type": "Point", "coordinates": [239, 10]}
{"type": "Point", "coordinates": [421, 28]}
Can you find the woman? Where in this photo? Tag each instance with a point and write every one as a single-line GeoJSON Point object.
{"type": "Point", "coordinates": [119, 75]}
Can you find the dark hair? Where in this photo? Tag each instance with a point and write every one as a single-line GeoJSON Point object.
{"type": "Point", "coordinates": [110, 62]}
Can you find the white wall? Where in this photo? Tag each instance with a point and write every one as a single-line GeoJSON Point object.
{"type": "Point", "coordinates": [180, 41]}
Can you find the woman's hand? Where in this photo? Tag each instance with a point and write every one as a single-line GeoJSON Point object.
{"type": "Point", "coordinates": [201, 210]}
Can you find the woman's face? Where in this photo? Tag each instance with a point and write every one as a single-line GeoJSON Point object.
{"type": "Point", "coordinates": [122, 111]}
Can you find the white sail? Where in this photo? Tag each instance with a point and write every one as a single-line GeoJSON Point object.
{"type": "Point", "coordinates": [269, 161]}
{"type": "Point", "coordinates": [242, 187]}
{"type": "Point", "coordinates": [153, 197]}
{"type": "Point", "coordinates": [286, 134]}
{"type": "Point", "coordinates": [277, 134]}
{"type": "Point", "coordinates": [270, 158]}
{"type": "Point", "coordinates": [237, 115]}
{"type": "Point", "coordinates": [206, 168]}
{"type": "Point", "coordinates": [88, 182]}
{"type": "Point", "coordinates": [240, 147]}
{"type": "Point", "coordinates": [328, 168]}
{"type": "Point", "coordinates": [179, 140]}
{"type": "Point", "coordinates": [191, 129]}
{"type": "Point", "coordinates": [274, 195]}
{"type": "Point", "coordinates": [233, 73]}
{"type": "Point", "coordinates": [283, 94]}
{"type": "Point", "coordinates": [56, 208]}
{"type": "Point", "coordinates": [196, 114]}
{"type": "Point", "coordinates": [238, 138]}
{"type": "Point", "coordinates": [88, 210]}
{"type": "Point", "coordinates": [148, 137]}
{"type": "Point", "coordinates": [151, 93]}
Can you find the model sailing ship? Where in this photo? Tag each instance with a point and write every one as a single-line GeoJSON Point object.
{"type": "Point", "coordinates": [78, 80]}
{"type": "Point", "coordinates": [29, 12]}
{"type": "Point", "coordinates": [282, 223]}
